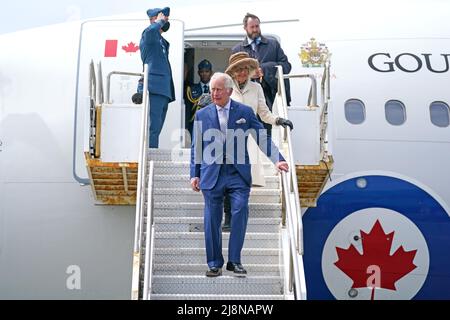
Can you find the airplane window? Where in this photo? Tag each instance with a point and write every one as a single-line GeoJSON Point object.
{"type": "Point", "coordinates": [395, 112]}
{"type": "Point", "coordinates": [439, 113]}
{"type": "Point", "coordinates": [355, 111]}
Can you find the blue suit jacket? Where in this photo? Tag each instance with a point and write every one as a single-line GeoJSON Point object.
{"type": "Point", "coordinates": [207, 153]}
{"type": "Point", "coordinates": [152, 53]}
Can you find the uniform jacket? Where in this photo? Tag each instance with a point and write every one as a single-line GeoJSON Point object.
{"type": "Point", "coordinates": [152, 53]}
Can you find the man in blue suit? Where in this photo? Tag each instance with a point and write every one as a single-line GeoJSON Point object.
{"type": "Point", "coordinates": [155, 52]}
{"type": "Point", "coordinates": [220, 164]}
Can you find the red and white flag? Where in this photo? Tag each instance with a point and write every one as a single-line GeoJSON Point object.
{"type": "Point", "coordinates": [111, 48]}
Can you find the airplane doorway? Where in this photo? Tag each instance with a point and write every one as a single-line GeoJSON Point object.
{"type": "Point", "coordinates": [216, 50]}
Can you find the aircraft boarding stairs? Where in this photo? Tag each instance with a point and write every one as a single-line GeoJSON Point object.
{"type": "Point", "coordinates": [177, 260]}
{"type": "Point", "coordinates": [169, 252]}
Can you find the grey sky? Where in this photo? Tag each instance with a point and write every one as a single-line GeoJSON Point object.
{"type": "Point", "coordinates": [23, 14]}
{"type": "Point", "coordinates": [18, 15]}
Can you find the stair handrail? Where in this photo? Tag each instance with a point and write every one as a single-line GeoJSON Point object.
{"type": "Point", "coordinates": [325, 93]}
{"type": "Point", "coordinates": [92, 82]}
{"type": "Point", "coordinates": [108, 81]}
{"type": "Point", "coordinates": [142, 165]}
{"type": "Point", "coordinates": [92, 108]}
{"type": "Point", "coordinates": [99, 91]}
{"type": "Point", "coordinates": [149, 240]}
{"type": "Point", "coordinates": [290, 188]}
{"type": "Point", "coordinates": [141, 181]}
{"type": "Point", "coordinates": [294, 273]}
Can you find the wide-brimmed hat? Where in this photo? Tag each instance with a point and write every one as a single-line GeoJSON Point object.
{"type": "Point", "coordinates": [241, 59]}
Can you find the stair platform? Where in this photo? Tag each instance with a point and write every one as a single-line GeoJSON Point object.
{"type": "Point", "coordinates": [312, 180]}
{"type": "Point", "coordinates": [113, 183]}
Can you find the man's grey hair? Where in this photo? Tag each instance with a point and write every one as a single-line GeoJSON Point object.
{"type": "Point", "coordinates": [220, 75]}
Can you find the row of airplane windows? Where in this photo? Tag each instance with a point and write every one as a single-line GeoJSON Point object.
{"type": "Point", "coordinates": [395, 112]}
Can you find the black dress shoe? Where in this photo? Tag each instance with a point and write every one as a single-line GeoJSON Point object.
{"type": "Point", "coordinates": [214, 272]}
{"type": "Point", "coordinates": [237, 268]}
{"type": "Point", "coordinates": [226, 228]}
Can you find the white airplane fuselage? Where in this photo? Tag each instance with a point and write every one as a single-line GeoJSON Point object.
{"type": "Point", "coordinates": [51, 229]}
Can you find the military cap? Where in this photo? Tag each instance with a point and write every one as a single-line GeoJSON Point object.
{"type": "Point", "coordinates": [154, 12]}
{"type": "Point", "coordinates": [205, 64]}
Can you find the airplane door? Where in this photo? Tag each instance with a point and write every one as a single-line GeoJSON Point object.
{"type": "Point", "coordinates": [115, 44]}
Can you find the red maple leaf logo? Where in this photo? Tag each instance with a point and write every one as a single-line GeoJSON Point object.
{"type": "Point", "coordinates": [376, 248]}
{"type": "Point", "coordinates": [130, 47]}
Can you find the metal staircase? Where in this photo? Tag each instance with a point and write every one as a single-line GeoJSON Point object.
{"type": "Point", "coordinates": [311, 177]}
{"type": "Point", "coordinates": [169, 252]}
{"type": "Point", "coordinates": [178, 249]}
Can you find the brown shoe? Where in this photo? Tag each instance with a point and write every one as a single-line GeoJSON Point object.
{"type": "Point", "coordinates": [214, 272]}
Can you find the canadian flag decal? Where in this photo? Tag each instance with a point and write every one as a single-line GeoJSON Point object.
{"type": "Point", "coordinates": [131, 47]}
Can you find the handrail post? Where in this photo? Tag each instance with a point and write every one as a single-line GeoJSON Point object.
{"type": "Point", "coordinates": [149, 238]}
{"type": "Point", "coordinates": [108, 81]}
{"type": "Point", "coordinates": [142, 164]}
{"type": "Point", "coordinates": [289, 182]}
{"type": "Point", "coordinates": [293, 174]}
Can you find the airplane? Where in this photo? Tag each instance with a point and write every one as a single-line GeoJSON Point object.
{"type": "Point", "coordinates": [379, 227]}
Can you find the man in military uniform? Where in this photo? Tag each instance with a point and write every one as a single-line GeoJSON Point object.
{"type": "Point", "coordinates": [155, 52]}
{"type": "Point", "coordinates": [198, 94]}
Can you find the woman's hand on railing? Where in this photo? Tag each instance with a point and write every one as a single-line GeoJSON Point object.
{"type": "Point", "coordinates": [282, 166]}
{"type": "Point", "coordinates": [285, 123]}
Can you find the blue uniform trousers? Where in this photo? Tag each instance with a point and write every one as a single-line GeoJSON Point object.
{"type": "Point", "coordinates": [158, 111]}
{"type": "Point", "coordinates": [229, 181]}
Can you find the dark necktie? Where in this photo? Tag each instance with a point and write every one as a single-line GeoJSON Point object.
{"type": "Point", "coordinates": [205, 88]}
{"type": "Point", "coordinates": [162, 45]}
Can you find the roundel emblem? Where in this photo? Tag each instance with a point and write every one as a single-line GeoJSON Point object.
{"type": "Point", "coordinates": [375, 236]}
{"type": "Point", "coordinates": [375, 253]}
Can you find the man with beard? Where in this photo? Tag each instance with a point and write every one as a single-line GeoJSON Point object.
{"type": "Point", "coordinates": [269, 54]}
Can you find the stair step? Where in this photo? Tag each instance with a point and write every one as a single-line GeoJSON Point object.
{"type": "Point", "coordinates": [197, 239]}
{"type": "Point", "coordinates": [173, 168]}
{"type": "Point", "coordinates": [195, 209]}
{"type": "Point", "coordinates": [198, 256]}
{"type": "Point", "coordinates": [183, 181]}
{"type": "Point", "coordinates": [225, 284]}
{"type": "Point", "coordinates": [200, 269]}
{"type": "Point", "coordinates": [195, 224]}
{"type": "Point", "coordinates": [216, 297]}
{"type": "Point", "coordinates": [175, 155]}
{"type": "Point", "coordinates": [187, 195]}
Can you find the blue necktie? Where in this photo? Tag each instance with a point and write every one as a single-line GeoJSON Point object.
{"type": "Point", "coordinates": [223, 120]}
{"type": "Point", "coordinates": [255, 44]}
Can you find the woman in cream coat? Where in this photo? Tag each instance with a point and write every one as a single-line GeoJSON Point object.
{"type": "Point", "coordinates": [242, 68]}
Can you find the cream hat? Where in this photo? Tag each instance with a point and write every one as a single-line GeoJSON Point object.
{"type": "Point", "coordinates": [241, 59]}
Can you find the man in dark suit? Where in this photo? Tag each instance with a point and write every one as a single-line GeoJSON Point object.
{"type": "Point", "coordinates": [155, 52]}
{"type": "Point", "coordinates": [269, 54]}
{"type": "Point", "coordinates": [220, 164]}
